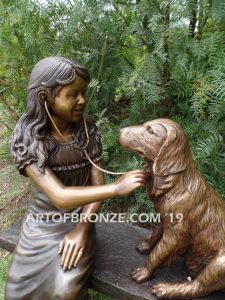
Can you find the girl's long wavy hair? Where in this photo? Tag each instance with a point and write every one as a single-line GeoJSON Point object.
{"type": "Point", "coordinates": [28, 142]}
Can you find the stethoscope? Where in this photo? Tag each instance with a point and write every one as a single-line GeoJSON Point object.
{"type": "Point", "coordinates": [81, 147]}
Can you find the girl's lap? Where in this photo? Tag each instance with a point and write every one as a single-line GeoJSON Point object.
{"type": "Point", "coordinates": [40, 275]}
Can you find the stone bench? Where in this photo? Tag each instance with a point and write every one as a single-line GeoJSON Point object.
{"type": "Point", "coordinates": [116, 257]}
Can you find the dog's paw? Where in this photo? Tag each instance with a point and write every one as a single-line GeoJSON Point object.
{"type": "Point", "coordinates": [141, 274]}
{"type": "Point", "coordinates": [159, 290]}
{"type": "Point", "coordinates": [163, 290]}
{"type": "Point", "coordinates": [143, 248]}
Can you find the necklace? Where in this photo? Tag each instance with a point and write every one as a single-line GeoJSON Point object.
{"type": "Point", "coordinates": [79, 147]}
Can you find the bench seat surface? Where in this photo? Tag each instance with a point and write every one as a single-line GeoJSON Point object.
{"type": "Point", "coordinates": [116, 257]}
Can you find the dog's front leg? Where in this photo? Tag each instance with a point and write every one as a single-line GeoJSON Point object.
{"type": "Point", "coordinates": [166, 246]}
{"type": "Point", "coordinates": [150, 242]}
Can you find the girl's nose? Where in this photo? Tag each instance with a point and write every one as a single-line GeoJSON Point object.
{"type": "Point", "coordinates": [81, 99]}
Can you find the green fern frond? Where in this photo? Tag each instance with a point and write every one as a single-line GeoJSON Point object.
{"type": "Point", "coordinates": [210, 146]}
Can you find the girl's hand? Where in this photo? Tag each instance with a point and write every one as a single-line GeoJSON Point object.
{"type": "Point", "coordinates": [73, 246]}
{"type": "Point", "coordinates": [130, 181]}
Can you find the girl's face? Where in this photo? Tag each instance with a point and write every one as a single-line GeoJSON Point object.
{"type": "Point", "coordinates": [70, 101]}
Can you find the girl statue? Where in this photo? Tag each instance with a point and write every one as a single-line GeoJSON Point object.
{"type": "Point", "coordinates": [53, 258]}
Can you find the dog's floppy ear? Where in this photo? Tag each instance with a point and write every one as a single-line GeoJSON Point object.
{"type": "Point", "coordinates": [173, 155]}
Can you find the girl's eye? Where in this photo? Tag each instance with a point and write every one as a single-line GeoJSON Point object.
{"type": "Point", "coordinates": [149, 129]}
{"type": "Point", "coordinates": [74, 95]}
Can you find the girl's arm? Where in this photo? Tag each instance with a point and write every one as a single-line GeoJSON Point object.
{"type": "Point", "coordinates": [65, 198]}
{"type": "Point", "coordinates": [74, 243]}
{"type": "Point", "coordinates": [97, 178]}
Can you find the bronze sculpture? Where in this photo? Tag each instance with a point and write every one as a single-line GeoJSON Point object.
{"type": "Point", "coordinates": [177, 187]}
{"type": "Point", "coordinates": [53, 258]}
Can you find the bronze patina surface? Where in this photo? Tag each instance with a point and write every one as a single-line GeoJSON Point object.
{"type": "Point", "coordinates": [54, 256]}
{"type": "Point", "coordinates": [192, 213]}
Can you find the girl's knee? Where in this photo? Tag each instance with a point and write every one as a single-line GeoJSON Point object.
{"type": "Point", "coordinates": [77, 291]}
{"type": "Point", "coordinates": [74, 295]}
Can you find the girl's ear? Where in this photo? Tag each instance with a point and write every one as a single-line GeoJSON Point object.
{"type": "Point", "coordinates": [44, 96]}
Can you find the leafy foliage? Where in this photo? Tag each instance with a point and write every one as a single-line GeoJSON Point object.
{"type": "Point", "coordinates": [4, 265]}
{"type": "Point", "coordinates": [148, 59]}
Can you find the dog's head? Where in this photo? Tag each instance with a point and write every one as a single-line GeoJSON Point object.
{"type": "Point", "coordinates": [159, 141]}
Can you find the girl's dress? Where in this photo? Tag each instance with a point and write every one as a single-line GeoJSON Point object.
{"type": "Point", "coordinates": [35, 272]}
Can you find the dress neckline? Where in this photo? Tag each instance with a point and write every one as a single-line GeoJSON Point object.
{"type": "Point", "coordinates": [71, 143]}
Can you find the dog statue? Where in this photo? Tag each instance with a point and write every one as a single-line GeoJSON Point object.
{"type": "Point", "coordinates": [177, 187]}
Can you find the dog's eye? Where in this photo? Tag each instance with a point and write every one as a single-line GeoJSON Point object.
{"type": "Point", "coordinates": [149, 129]}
